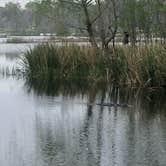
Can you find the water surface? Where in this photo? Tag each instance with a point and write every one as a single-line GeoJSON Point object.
{"type": "Point", "coordinates": [57, 126]}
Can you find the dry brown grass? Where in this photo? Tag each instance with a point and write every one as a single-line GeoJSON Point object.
{"type": "Point", "coordinates": [139, 66]}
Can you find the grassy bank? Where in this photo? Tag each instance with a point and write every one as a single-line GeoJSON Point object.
{"type": "Point", "coordinates": [139, 66]}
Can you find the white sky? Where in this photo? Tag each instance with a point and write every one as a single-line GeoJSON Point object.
{"type": "Point", "coordinates": [22, 2]}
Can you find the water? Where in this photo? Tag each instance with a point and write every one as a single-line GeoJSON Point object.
{"type": "Point", "coordinates": [48, 126]}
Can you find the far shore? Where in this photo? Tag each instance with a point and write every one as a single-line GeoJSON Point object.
{"type": "Point", "coordinates": [63, 39]}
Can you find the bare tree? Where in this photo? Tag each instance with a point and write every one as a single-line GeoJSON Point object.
{"type": "Point", "coordinates": [89, 22]}
{"type": "Point", "coordinates": [103, 26]}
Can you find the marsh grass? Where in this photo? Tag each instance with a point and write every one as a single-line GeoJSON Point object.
{"type": "Point", "coordinates": [16, 40]}
{"type": "Point", "coordinates": [138, 66]}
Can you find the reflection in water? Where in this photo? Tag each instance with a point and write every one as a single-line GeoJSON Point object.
{"type": "Point", "coordinates": [9, 65]}
{"type": "Point", "coordinates": [59, 124]}
{"type": "Point", "coordinates": [8, 61]}
{"type": "Point", "coordinates": [10, 57]}
{"type": "Point", "coordinates": [15, 48]}
{"type": "Point", "coordinates": [66, 130]}
{"type": "Point", "coordinates": [52, 87]}
{"type": "Point", "coordinates": [102, 135]}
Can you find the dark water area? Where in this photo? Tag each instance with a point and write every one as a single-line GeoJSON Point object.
{"type": "Point", "coordinates": [55, 123]}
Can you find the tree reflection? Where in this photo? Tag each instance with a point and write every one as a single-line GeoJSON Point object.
{"type": "Point", "coordinates": [104, 135]}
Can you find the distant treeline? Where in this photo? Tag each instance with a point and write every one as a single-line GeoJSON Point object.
{"type": "Point", "coordinates": [139, 18]}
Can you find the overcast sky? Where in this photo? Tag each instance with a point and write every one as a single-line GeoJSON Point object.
{"type": "Point", "coordinates": [22, 2]}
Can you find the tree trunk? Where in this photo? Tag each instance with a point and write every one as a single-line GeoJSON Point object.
{"type": "Point", "coordinates": [89, 25]}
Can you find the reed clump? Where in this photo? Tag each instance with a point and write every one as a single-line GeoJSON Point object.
{"type": "Point", "coordinates": [138, 66]}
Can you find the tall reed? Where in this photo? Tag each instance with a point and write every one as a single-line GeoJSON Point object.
{"type": "Point", "coordinates": [138, 66]}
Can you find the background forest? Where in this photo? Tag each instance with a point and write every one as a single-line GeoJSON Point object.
{"type": "Point", "coordinates": [66, 17]}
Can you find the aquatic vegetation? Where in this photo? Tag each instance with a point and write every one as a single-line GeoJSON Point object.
{"type": "Point", "coordinates": [16, 40]}
{"type": "Point", "coordinates": [135, 66]}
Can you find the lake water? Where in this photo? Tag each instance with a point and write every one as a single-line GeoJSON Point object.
{"type": "Point", "coordinates": [56, 126]}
